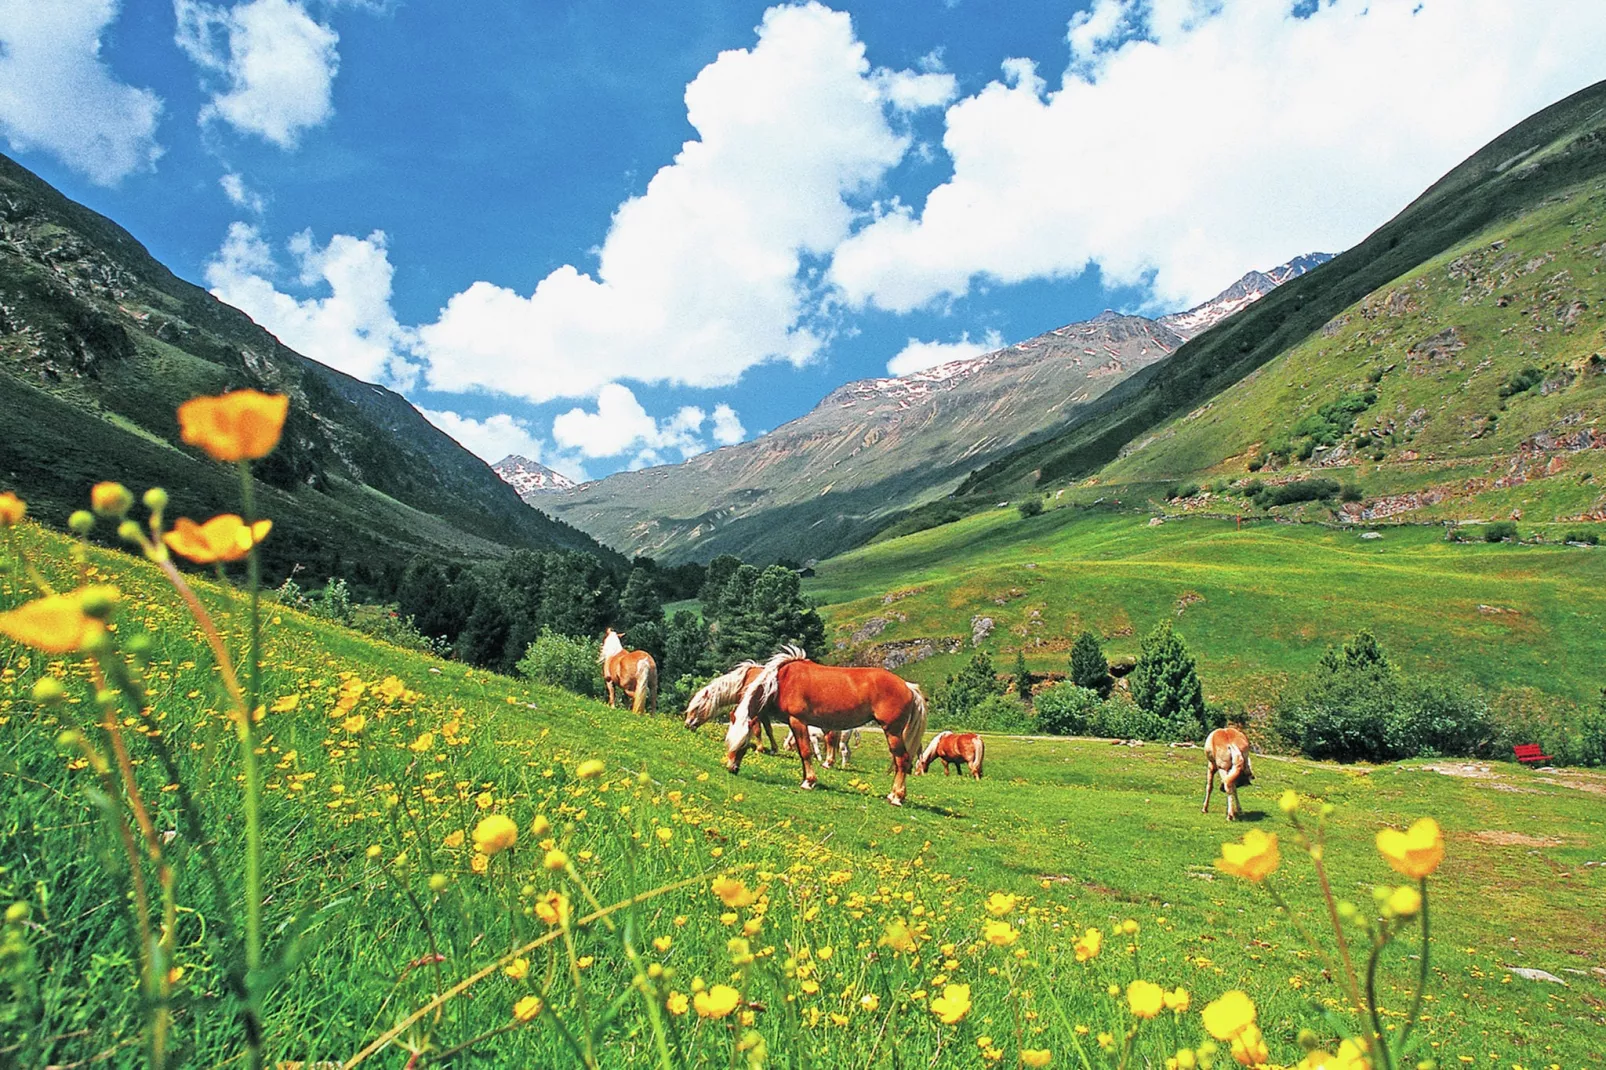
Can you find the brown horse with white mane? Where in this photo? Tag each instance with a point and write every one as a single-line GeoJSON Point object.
{"type": "Point", "coordinates": [835, 699]}
{"type": "Point", "coordinates": [725, 693]}
{"type": "Point", "coordinates": [632, 670]}
{"type": "Point", "coordinates": [954, 748]}
{"type": "Point", "coordinates": [1227, 754]}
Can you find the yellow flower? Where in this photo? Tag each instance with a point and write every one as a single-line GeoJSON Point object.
{"type": "Point", "coordinates": [480, 864]}
{"type": "Point", "coordinates": [57, 623]}
{"type": "Point", "coordinates": [1145, 998]}
{"type": "Point", "coordinates": [111, 499]}
{"type": "Point", "coordinates": [589, 769]}
{"type": "Point", "coordinates": [1230, 1015]}
{"type": "Point", "coordinates": [732, 892]}
{"type": "Point", "coordinates": [354, 723]}
{"type": "Point", "coordinates": [717, 1002]}
{"type": "Point", "coordinates": [540, 826]}
{"type": "Point", "coordinates": [998, 904]}
{"type": "Point", "coordinates": [242, 425]}
{"type": "Point", "coordinates": [1289, 801]}
{"type": "Point", "coordinates": [495, 834]}
{"type": "Point", "coordinates": [1089, 945]}
{"type": "Point", "coordinates": [1415, 853]}
{"type": "Point", "coordinates": [555, 860]}
{"type": "Point", "coordinates": [665, 835]}
{"type": "Point", "coordinates": [897, 936]}
{"type": "Point", "coordinates": [1351, 1055]}
{"type": "Point", "coordinates": [663, 943]}
{"type": "Point", "coordinates": [870, 1002]}
{"type": "Point", "coordinates": [285, 703]}
{"type": "Point", "coordinates": [424, 743]}
{"type": "Point", "coordinates": [517, 968]}
{"type": "Point", "coordinates": [12, 509]}
{"type": "Point", "coordinates": [952, 1006]}
{"type": "Point", "coordinates": [1036, 1056]}
{"type": "Point", "coordinates": [225, 537]}
{"type": "Point", "coordinates": [999, 933]}
{"type": "Point", "coordinates": [527, 1008]}
{"type": "Point", "coordinates": [1254, 859]}
{"type": "Point", "coordinates": [1249, 1047]}
{"type": "Point", "coordinates": [1177, 1000]}
{"type": "Point", "coordinates": [453, 838]}
{"type": "Point", "coordinates": [1404, 901]}
{"type": "Point", "coordinates": [677, 1003]}
{"type": "Point", "coordinates": [553, 908]}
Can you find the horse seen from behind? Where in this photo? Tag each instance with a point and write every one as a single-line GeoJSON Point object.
{"type": "Point", "coordinates": [632, 670]}
{"type": "Point", "coordinates": [953, 749]}
{"type": "Point", "coordinates": [807, 694]}
{"type": "Point", "coordinates": [1227, 755]}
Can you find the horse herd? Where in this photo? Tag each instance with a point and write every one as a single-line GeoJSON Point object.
{"type": "Point", "coordinates": [824, 706]}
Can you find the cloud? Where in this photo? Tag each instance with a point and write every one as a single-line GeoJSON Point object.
{"type": "Point", "coordinates": [240, 194]}
{"type": "Point", "coordinates": [728, 429]}
{"type": "Point", "coordinates": [702, 276]}
{"type": "Point", "coordinates": [58, 96]}
{"type": "Point", "coordinates": [918, 356]}
{"type": "Point", "coordinates": [620, 425]}
{"type": "Point", "coordinates": [277, 62]}
{"type": "Point", "coordinates": [500, 435]}
{"type": "Point", "coordinates": [352, 328]}
{"type": "Point", "coordinates": [1189, 140]}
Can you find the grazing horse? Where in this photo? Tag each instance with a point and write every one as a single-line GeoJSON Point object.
{"type": "Point", "coordinates": [725, 693]}
{"type": "Point", "coordinates": [835, 699]}
{"type": "Point", "coordinates": [1227, 753]}
{"type": "Point", "coordinates": [632, 670]}
{"type": "Point", "coordinates": [953, 748]}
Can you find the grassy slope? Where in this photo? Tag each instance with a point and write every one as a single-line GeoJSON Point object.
{"type": "Point", "coordinates": [1274, 596]}
{"type": "Point", "coordinates": [1115, 832]}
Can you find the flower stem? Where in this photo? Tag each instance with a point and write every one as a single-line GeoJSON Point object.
{"type": "Point", "coordinates": [253, 771]}
{"type": "Point", "coordinates": [1422, 970]}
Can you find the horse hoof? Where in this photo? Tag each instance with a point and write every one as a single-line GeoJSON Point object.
{"type": "Point", "coordinates": [808, 785]}
{"type": "Point", "coordinates": [894, 800]}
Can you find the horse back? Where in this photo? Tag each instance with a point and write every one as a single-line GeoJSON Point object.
{"type": "Point", "coordinates": [836, 692]}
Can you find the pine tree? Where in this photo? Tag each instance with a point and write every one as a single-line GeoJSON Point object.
{"type": "Point", "coordinates": [720, 571]}
{"type": "Point", "coordinates": [685, 644]}
{"type": "Point", "coordinates": [1089, 667]}
{"type": "Point", "coordinates": [1164, 682]}
{"type": "Point", "coordinates": [640, 601]}
{"type": "Point", "coordinates": [1023, 677]}
{"type": "Point", "coordinates": [737, 634]}
{"type": "Point", "coordinates": [970, 686]}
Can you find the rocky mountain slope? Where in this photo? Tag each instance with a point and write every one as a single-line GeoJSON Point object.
{"type": "Point", "coordinates": [99, 343]}
{"type": "Point", "coordinates": [532, 479]}
{"type": "Point", "coordinates": [829, 479]}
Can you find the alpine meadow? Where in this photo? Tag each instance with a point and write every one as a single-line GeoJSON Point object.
{"type": "Point", "coordinates": [1264, 631]}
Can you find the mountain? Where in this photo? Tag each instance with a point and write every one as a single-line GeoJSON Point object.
{"type": "Point", "coordinates": [1547, 160]}
{"type": "Point", "coordinates": [532, 479]}
{"type": "Point", "coordinates": [99, 343]}
{"type": "Point", "coordinates": [874, 447]}
{"type": "Point", "coordinates": [1246, 291]}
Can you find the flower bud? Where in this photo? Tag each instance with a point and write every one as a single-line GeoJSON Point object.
{"type": "Point", "coordinates": [70, 738]}
{"type": "Point", "coordinates": [1346, 910]}
{"type": "Point", "coordinates": [1308, 1039]}
{"type": "Point", "coordinates": [128, 531]}
{"type": "Point", "coordinates": [97, 600]}
{"type": "Point", "coordinates": [438, 882]}
{"type": "Point", "coordinates": [156, 499]}
{"type": "Point", "coordinates": [81, 522]}
{"type": "Point", "coordinates": [111, 500]}
{"type": "Point", "coordinates": [138, 645]}
{"type": "Point", "coordinates": [17, 912]}
{"type": "Point", "coordinates": [47, 691]}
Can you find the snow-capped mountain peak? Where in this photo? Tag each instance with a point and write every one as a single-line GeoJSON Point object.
{"type": "Point", "coordinates": [530, 478]}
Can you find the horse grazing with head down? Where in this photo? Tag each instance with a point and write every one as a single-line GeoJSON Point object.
{"type": "Point", "coordinates": [953, 748]}
{"type": "Point", "coordinates": [1227, 754]}
{"type": "Point", "coordinates": [632, 670]}
{"type": "Point", "coordinates": [808, 694]}
{"type": "Point", "coordinates": [725, 693]}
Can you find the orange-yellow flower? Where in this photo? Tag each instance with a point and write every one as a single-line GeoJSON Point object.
{"type": "Point", "coordinates": [1416, 852]}
{"type": "Point", "coordinates": [999, 903]}
{"type": "Point", "coordinates": [495, 834]}
{"type": "Point", "coordinates": [1404, 902]}
{"type": "Point", "coordinates": [1230, 1015]}
{"type": "Point", "coordinates": [733, 893]}
{"type": "Point", "coordinates": [952, 1006]}
{"type": "Point", "coordinates": [1177, 1000]}
{"type": "Point", "coordinates": [589, 769]}
{"type": "Point", "coordinates": [12, 509]}
{"type": "Point", "coordinates": [1036, 1056]}
{"type": "Point", "coordinates": [1249, 1047]}
{"type": "Point", "coordinates": [553, 908]}
{"type": "Point", "coordinates": [527, 1008]}
{"type": "Point", "coordinates": [999, 933]}
{"type": "Point", "coordinates": [1145, 998]}
{"type": "Point", "coordinates": [242, 425]}
{"type": "Point", "coordinates": [717, 1002]}
{"type": "Point", "coordinates": [111, 499]}
{"type": "Point", "coordinates": [1351, 1055]}
{"type": "Point", "coordinates": [677, 1003]}
{"type": "Point", "coordinates": [1089, 945]}
{"type": "Point", "coordinates": [223, 538]}
{"type": "Point", "coordinates": [898, 936]}
{"type": "Point", "coordinates": [453, 838]}
{"type": "Point", "coordinates": [57, 623]}
{"type": "Point", "coordinates": [1254, 859]}
{"type": "Point", "coordinates": [517, 968]}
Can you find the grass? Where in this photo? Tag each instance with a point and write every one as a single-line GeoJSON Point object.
{"type": "Point", "coordinates": [1257, 605]}
{"type": "Point", "coordinates": [1085, 834]}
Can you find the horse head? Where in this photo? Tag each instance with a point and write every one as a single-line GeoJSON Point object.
{"type": "Point", "coordinates": [700, 707]}
{"type": "Point", "coordinates": [611, 645]}
{"type": "Point", "coordinates": [742, 734]}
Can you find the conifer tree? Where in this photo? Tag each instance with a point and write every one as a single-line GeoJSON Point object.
{"type": "Point", "coordinates": [1089, 667]}
{"type": "Point", "coordinates": [1023, 677]}
{"type": "Point", "coordinates": [640, 601]}
{"type": "Point", "coordinates": [1164, 682]}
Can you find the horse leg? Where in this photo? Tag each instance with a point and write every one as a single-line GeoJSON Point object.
{"type": "Point", "coordinates": [610, 691]}
{"type": "Point", "coordinates": [805, 751]}
{"type": "Point", "coordinates": [1232, 799]}
{"type": "Point", "coordinates": [769, 730]}
{"type": "Point", "coordinates": [900, 767]}
{"type": "Point", "coordinates": [1210, 783]}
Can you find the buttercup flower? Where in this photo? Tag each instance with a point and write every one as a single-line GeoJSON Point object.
{"type": "Point", "coordinates": [553, 908]}
{"type": "Point", "coordinates": [870, 1001]}
{"type": "Point", "coordinates": [1036, 1057]}
{"type": "Point", "coordinates": [1177, 1000]}
{"type": "Point", "coordinates": [223, 538]}
{"type": "Point", "coordinates": [1145, 998]}
{"type": "Point", "coordinates": [1351, 1055]}
{"type": "Point", "coordinates": [1228, 1016]}
{"type": "Point", "coordinates": [527, 1008]}
{"type": "Point", "coordinates": [1404, 901]}
{"type": "Point", "coordinates": [495, 834]}
{"type": "Point", "coordinates": [1288, 802]}
{"type": "Point", "coordinates": [57, 623]}
{"type": "Point", "coordinates": [1089, 945]}
{"type": "Point", "coordinates": [999, 933]}
{"type": "Point", "coordinates": [242, 425]}
{"type": "Point", "coordinates": [897, 936]}
{"type": "Point", "coordinates": [952, 1006]}
{"type": "Point", "coordinates": [1249, 1047]}
{"type": "Point", "coordinates": [589, 769]}
{"type": "Point", "coordinates": [677, 1003]}
{"type": "Point", "coordinates": [1414, 853]}
{"type": "Point", "coordinates": [733, 893]}
{"type": "Point", "coordinates": [517, 968]}
{"type": "Point", "coordinates": [998, 904]}
{"type": "Point", "coordinates": [717, 1002]}
{"type": "Point", "coordinates": [12, 509]}
{"type": "Point", "coordinates": [111, 499]}
{"type": "Point", "coordinates": [1254, 859]}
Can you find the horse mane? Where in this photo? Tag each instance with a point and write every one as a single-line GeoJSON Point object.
{"type": "Point", "coordinates": [721, 692]}
{"type": "Point", "coordinates": [610, 646]}
{"type": "Point", "coordinates": [914, 731]}
{"type": "Point", "coordinates": [768, 683]}
{"type": "Point", "coordinates": [930, 752]}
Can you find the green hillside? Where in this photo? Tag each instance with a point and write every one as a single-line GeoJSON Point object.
{"type": "Point", "coordinates": [378, 761]}
{"type": "Point", "coordinates": [99, 343]}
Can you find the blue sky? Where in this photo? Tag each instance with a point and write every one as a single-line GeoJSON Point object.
{"type": "Point", "coordinates": [607, 234]}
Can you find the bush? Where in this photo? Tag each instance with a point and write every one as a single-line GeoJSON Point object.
{"type": "Point", "coordinates": [1438, 717]}
{"type": "Point", "coordinates": [1306, 490]}
{"type": "Point", "coordinates": [962, 692]}
{"type": "Point", "coordinates": [1350, 493]}
{"type": "Point", "coordinates": [1164, 681]}
{"type": "Point", "coordinates": [1521, 382]}
{"type": "Point", "coordinates": [1030, 507]}
{"type": "Point", "coordinates": [995, 713]}
{"type": "Point", "coordinates": [1500, 531]}
{"type": "Point", "coordinates": [1068, 710]}
{"type": "Point", "coordinates": [1183, 490]}
{"type": "Point", "coordinates": [1089, 667]}
{"type": "Point", "coordinates": [1588, 538]}
{"type": "Point", "coordinates": [1591, 749]}
{"type": "Point", "coordinates": [560, 661]}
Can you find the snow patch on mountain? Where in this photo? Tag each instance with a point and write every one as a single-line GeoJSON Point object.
{"type": "Point", "coordinates": [530, 478]}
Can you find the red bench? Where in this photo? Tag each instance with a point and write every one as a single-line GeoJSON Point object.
{"type": "Point", "coordinates": [1530, 754]}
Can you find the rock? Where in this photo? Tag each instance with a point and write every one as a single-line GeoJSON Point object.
{"type": "Point", "coordinates": [980, 629]}
{"type": "Point", "coordinates": [1371, 534]}
{"type": "Point", "coordinates": [1528, 974]}
{"type": "Point", "coordinates": [1156, 521]}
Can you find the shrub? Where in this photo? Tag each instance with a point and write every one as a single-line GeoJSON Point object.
{"type": "Point", "coordinates": [1068, 710]}
{"type": "Point", "coordinates": [1089, 667]}
{"type": "Point", "coordinates": [1030, 507]}
{"type": "Point", "coordinates": [1164, 682]}
{"type": "Point", "coordinates": [1121, 719]}
{"type": "Point", "coordinates": [1306, 490]}
{"type": "Point", "coordinates": [1439, 717]}
{"type": "Point", "coordinates": [1183, 490]}
{"type": "Point", "coordinates": [1023, 678]}
{"type": "Point", "coordinates": [972, 685]}
{"type": "Point", "coordinates": [1500, 531]}
{"type": "Point", "coordinates": [562, 661]}
{"type": "Point", "coordinates": [995, 713]}
{"type": "Point", "coordinates": [1592, 735]}
{"type": "Point", "coordinates": [1521, 382]}
{"type": "Point", "coordinates": [1350, 493]}
{"type": "Point", "coordinates": [1256, 463]}
{"type": "Point", "coordinates": [1588, 538]}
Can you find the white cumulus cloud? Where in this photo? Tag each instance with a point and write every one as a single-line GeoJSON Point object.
{"type": "Point", "coordinates": [918, 356]}
{"type": "Point", "coordinates": [500, 435]}
{"type": "Point", "coordinates": [277, 64]}
{"type": "Point", "coordinates": [702, 276]}
{"type": "Point", "coordinates": [241, 195]}
{"type": "Point", "coordinates": [352, 328]}
{"type": "Point", "coordinates": [1190, 139]}
{"type": "Point", "coordinates": [620, 425]}
{"type": "Point", "coordinates": [727, 429]}
{"type": "Point", "coordinates": [58, 96]}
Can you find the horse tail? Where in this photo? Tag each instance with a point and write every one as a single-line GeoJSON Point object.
{"type": "Point", "coordinates": [914, 728]}
{"type": "Point", "coordinates": [1241, 757]}
{"type": "Point", "coordinates": [644, 682]}
{"type": "Point", "coordinates": [981, 747]}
